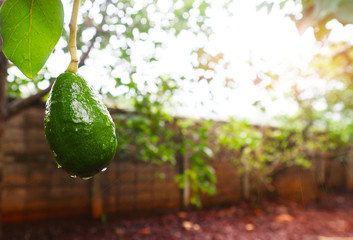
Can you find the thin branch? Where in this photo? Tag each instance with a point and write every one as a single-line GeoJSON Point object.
{"type": "Point", "coordinates": [85, 55]}
{"type": "Point", "coordinates": [93, 39]}
{"type": "Point", "coordinates": [18, 105]}
{"type": "Point", "coordinates": [121, 111]}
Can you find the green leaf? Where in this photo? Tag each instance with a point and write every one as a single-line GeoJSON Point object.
{"type": "Point", "coordinates": [344, 12]}
{"type": "Point", "coordinates": [316, 13]}
{"type": "Point", "coordinates": [267, 5]}
{"type": "Point", "coordinates": [30, 30]}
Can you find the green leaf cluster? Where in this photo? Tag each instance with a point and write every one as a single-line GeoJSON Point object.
{"type": "Point", "coordinates": [258, 152]}
{"type": "Point", "coordinates": [316, 13]}
{"type": "Point", "coordinates": [195, 147]}
{"type": "Point", "coordinates": [150, 134]}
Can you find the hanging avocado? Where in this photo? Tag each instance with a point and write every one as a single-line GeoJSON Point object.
{"type": "Point", "coordinates": [78, 127]}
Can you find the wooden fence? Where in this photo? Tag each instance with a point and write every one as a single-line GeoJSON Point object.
{"type": "Point", "coordinates": [33, 188]}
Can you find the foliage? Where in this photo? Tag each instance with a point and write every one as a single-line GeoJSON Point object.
{"type": "Point", "coordinates": [150, 134]}
{"type": "Point", "coordinates": [316, 13]}
{"type": "Point", "coordinates": [30, 31]}
{"type": "Point", "coordinates": [258, 152]}
{"type": "Point", "coordinates": [147, 129]}
{"type": "Point", "coordinates": [327, 128]}
{"type": "Point", "coordinates": [195, 150]}
{"type": "Point", "coordinates": [334, 66]}
{"type": "Point", "coordinates": [116, 28]}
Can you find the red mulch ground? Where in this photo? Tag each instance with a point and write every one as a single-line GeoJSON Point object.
{"type": "Point", "coordinates": [331, 218]}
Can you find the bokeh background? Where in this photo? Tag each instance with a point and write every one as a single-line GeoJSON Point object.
{"type": "Point", "coordinates": [234, 103]}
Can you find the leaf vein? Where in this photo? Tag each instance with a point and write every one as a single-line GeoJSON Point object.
{"type": "Point", "coordinates": [15, 27]}
{"type": "Point", "coordinates": [45, 16]}
{"type": "Point", "coordinates": [9, 10]}
{"type": "Point", "coordinates": [18, 44]}
{"type": "Point", "coordinates": [29, 37]}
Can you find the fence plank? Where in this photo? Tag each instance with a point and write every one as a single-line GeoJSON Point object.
{"type": "Point", "coordinates": [97, 198]}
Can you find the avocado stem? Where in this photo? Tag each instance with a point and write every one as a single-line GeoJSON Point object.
{"type": "Point", "coordinates": [73, 66]}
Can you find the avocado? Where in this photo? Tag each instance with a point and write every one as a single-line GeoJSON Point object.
{"type": "Point", "coordinates": [78, 127]}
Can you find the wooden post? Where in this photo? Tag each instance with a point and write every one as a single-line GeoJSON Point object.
{"type": "Point", "coordinates": [186, 190]}
{"type": "Point", "coordinates": [320, 159]}
{"type": "Point", "coordinates": [349, 171]}
{"type": "Point", "coordinates": [183, 163]}
{"type": "Point", "coordinates": [245, 178]}
{"type": "Point", "coordinates": [97, 197]}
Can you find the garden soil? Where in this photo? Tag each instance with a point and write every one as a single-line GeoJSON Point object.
{"type": "Point", "coordinates": [331, 218]}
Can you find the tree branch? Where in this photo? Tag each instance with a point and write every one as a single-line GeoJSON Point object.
{"type": "Point", "coordinates": [84, 56]}
{"type": "Point", "coordinates": [19, 104]}
{"type": "Point", "coordinates": [99, 30]}
{"type": "Point", "coordinates": [3, 100]}
{"type": "Point", "coordinates": [3, 81]}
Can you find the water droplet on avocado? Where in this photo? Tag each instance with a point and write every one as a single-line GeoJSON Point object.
{"type": "Point", "coordinates": [104, 169]}
{"type": "Point", "coordinates": [58, 165]}
{"type": "Point", "coordinates": [87, 178]}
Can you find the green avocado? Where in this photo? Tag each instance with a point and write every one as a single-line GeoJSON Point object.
{"type": "Point", "coordinates": [78, 127]}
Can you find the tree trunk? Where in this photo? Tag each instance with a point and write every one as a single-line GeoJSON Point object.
{"type": "Point", "coordinates": [3, 101]}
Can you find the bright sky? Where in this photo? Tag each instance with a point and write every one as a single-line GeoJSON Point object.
{"type": "Point", "coordinates": [271, 42]}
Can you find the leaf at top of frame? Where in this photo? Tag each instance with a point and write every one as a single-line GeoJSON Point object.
{"type": "Point", "coordinates": [30, 30]}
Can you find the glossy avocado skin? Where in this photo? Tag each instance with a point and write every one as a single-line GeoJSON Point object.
{"type": "Point", "coordinates": [78, 127]}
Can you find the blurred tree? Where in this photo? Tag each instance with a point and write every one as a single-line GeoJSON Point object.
{"type": "Point", "coordinates": [335, 66]}
{"type": "Point", "coordinates": [118, 30]}
{"type": "Point", "coordinates": [315, 13]}
{"type": "Point", "coordinates": [260, 152]}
